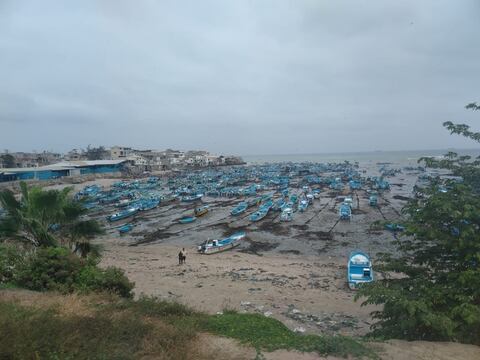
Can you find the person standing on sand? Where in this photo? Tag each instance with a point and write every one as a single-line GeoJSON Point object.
{"type": "Point", "coordinates": [184, 252]}
{"type": "Point", "coordinates": [180, 257]}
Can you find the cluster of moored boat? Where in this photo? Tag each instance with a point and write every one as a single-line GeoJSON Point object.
{"type": "Point", "coordinates": [283, 188]}
{"type": "Point", "coordinates": [291, 187]}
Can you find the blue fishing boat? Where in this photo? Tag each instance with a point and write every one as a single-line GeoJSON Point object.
{"type": "Point", "coordinates": [254, 201]}
{"type": "Point", "coordinates": [349, 201]}
{"type": "Point", "coordinates": [278, 205]}
{"type": "Point", "coordinates": [258, 215]}
{"type": "Point", "coordinates": [345, 212]}
{"type": "Point", "coordinates": [123, 214]}
{"type": "Point", "coordinates": [287, 214]}
{"type": "Point", "coordinates": [372, 200]}
{"type": "Point", "coordinates": [187, 219]}
{"type": "Point", "coordinates": [200, 211]}
{"type": "Point", "coordinates": [239, 209]}
{"type": "Point", "coordinates": [148, 204]}
{"type": "Point", "coordinates": [191, 198]}
{"type": "Point", "coordinates": [123, 203]}
{"type": "Point", "coordinates": [125, 228]}
{"type": "Point", "coordinates": [215, 246]}
{"type": "Point", "coordinates": [303, 205]}
{"type": "Point", "coordinates": [267, 205]}
{"type": "Point", "coordinates": [359, 269]}
{"type": "Point", "coordinates": [394, 227]}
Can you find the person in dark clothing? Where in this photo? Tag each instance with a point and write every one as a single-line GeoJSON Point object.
{"type": "Point", "coordinates": [180, 257]}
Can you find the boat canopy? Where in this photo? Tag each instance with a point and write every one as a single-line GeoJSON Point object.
{"type": "Point", "coordinates": [359, 259]}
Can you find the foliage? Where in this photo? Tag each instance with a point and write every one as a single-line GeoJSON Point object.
{"type": "Point", "coordinates": [464, 166]}
{"type": "Point", "coordinates": [112, 280]}
{"type": "Point", "coordinates": [49, 269]}
{"type": "Point", "coordinates": [8, 160]}
{"type": "Point", "coordinates": [47, 218]}
{"type": "Point", "coordinates": [435, 293]}
{"type": "Point", "coordinates": [10, 257]}
{"type": "Point", "coordinates": [96, 153]}
{"type": "Point", "coordinates": [268, 334]}
{"type": "Point", "coordinates": [56, 268]}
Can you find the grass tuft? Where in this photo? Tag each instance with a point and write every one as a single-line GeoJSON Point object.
{"type": "Point", "coordinates": [269, 334]}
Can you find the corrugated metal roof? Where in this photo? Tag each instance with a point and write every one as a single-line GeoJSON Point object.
{"type": "Point", "coordinates": [65, 165]}
{"type": "Point", "coordinates": [90, 162]}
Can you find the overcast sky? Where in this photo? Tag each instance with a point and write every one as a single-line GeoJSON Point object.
{"type": "Point", "coordinates": [237, 77]}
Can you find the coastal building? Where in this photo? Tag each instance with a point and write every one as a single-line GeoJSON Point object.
{"type": "Point", "coordinates": [75, 155]}
{"type": "Point", "coordinates": [24, 159]}
{"type": "Point", "coordinates": [120, 152]}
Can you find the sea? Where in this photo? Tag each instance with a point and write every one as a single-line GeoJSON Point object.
{"type": "Point", "coordinates": [408, 157]}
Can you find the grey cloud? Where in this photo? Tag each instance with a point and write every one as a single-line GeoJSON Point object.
{"type": "Point", "coordinates": [237, 76]}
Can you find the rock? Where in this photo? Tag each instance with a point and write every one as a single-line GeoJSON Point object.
{"type": "Point", "coordinates": [267, 313]}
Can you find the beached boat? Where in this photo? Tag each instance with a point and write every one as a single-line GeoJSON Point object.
{"type": "Point", "coordinates": [310, 198]}
{"type": "Point", "coordinates": [123, 203]}
{"type": "Point", "coordinates": [345, 212]}
{"type": "Point", "coordinates": [148, 204]}
{"type": "Point", "coordinates": [191, 198]}
{"type": "Point", "coordinates": [125, 228]}
{"type": "Point", "coordinates": [394, 227]}
{"type": "Point", "coordinates": [372, 200]}
{"type": "Point", "coordinates": [267, 205]}
{"type": "Point", "coordinates": [200, 211]}
{"type": "Point", "coordinates": [349, 201]}
{"type": "Point", "coordinates": [303, 205]}
{"type": "Point", "coordinates": [287, 214]}
{"type": "Point", "coordinates": [258, 215]}
{"type": "Point", "coordinates": [278, 205]}
{"type": "Point", "coordinates": [123, 214]}
{"type": "Point", "coordinates": [254, 201]}
{"type": "Point", "coordinates": [215, 246]}
{"type": "Point", "coordinates": [187, 219]}
{"type": "Point", "coordinates": [359, 269]}
{"type": "Point", "coordinates": [239, 209]}
{"type": "Point", "coordinates": [316, 193]}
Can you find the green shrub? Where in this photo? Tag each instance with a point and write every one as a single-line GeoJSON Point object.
{"type": "Point", "coordinates": [113, 280]}
{"type": "Point", "coordinates": [10, 257]}
{"type": "Point", "coordinates": [50, 268]}
{"type": "Point", "coordinates": [56, 268]}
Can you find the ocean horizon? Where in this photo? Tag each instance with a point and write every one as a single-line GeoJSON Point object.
{"type": "Point", "coordinates": [395, 156]}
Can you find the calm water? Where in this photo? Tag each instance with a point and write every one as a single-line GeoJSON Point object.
{"type": "Point", "coordinates": [399, 157]}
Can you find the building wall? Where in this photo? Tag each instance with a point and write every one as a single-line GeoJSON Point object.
{"type": "Point", "coordinates": [55, 174]}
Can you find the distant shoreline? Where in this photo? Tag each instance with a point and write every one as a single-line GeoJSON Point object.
{"type": "Point", "coordinates": [402, 157]}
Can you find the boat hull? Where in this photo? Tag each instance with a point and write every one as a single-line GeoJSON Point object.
{"type": "Point", "coordinates": [221, 249]}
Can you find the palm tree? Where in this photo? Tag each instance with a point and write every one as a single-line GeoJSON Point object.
{"type": "Point", "coordinates": [47, 218]}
